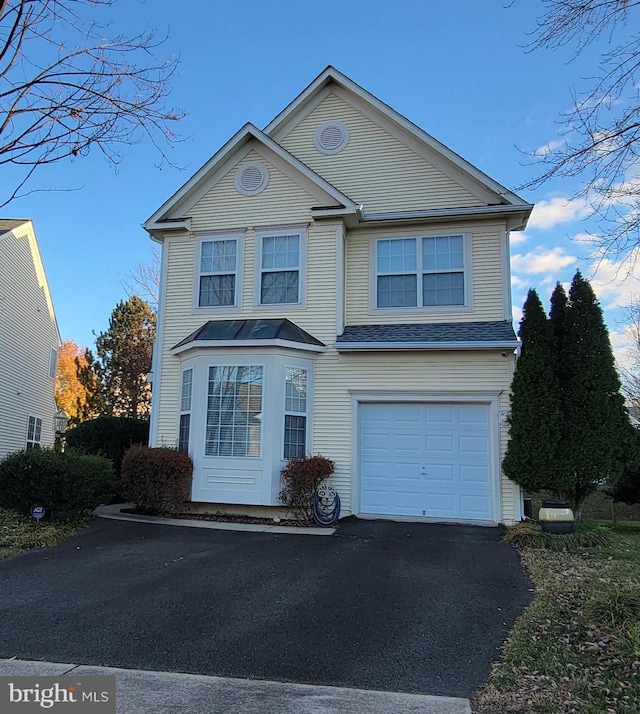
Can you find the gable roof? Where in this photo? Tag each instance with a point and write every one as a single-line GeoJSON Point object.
{"type": "Point", "coordinates": [282, 124]}
{"type": "Point", "coordinates": [8, 224]}
{"type": "Point", "coordinates": [198, 184]}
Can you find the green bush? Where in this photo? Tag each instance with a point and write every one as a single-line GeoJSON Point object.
{"type": "Point", "coordinates": [529, 535]}
{"type": "Point", "coordinates": [301, 477]}
{"type": "Point", "coordinates": [68, 484]}
{"type": "Point", "coordinates": [157, 481]}
{"type": "Point", "coordinates": [109, 436]}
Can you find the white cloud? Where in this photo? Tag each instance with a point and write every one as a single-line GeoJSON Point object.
{"type": "Point", "coordinates": [548, 214]}
{"type": "Point", "coordinates": [517, 282]}
{"type": "Point", "coordinates": [622, 345]}
{"type": "Point", "coordinates": [516, 238]}
{"type": "Point", "coordinates": [616, 282]}
{"type": "Point", "coordinates": [517, 314]}
{"type": "Point", "coordinates": [542, 260]}
{"type": "Point", "coordinates": [546, 149]}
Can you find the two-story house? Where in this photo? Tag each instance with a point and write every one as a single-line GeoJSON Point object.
{"type": "Point", "coordinates": [29, 342]}
{"type": "Point", "coordinates": [338, 284]}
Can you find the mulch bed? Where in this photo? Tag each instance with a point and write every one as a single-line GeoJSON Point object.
{"type": "Point", "coordinates": [233, 518]}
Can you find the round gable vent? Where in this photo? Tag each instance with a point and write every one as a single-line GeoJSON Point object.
{"type": "Point", "coordinates": [331, 137]}
{"type": "Point", "coordinates": [251, 179]}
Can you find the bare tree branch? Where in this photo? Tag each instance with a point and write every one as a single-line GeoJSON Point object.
{"type": "Point", "coordinates": [600, 135]}
{"type": "Point", "coordinates": [67, 87]}
{"type": "Point", "coordinates": [144, 279]}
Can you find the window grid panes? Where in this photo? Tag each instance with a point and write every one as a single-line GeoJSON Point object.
{"type": "Point", "coordinates": [280, 276]}
{"type": "Point", "coordinates": [234, 411]}
{"type": "Point", "coordinates": [218, 266]}
{"type": "Point", "coordinates": [437, 261]}
{"type": "Point", "coordinates": [295, 407]}
{"type": "Point", "coordinates": [185, 409]}
{"type": "Point", "coordinates": [34, 432]}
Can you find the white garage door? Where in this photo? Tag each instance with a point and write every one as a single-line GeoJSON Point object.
{"type": "Point", "coordinates": [426, 460]}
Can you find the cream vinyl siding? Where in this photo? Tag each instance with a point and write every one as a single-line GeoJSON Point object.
{"type": "Point", "coordinates": [222, 210]}
{"type": "Point", "coordinates": [402, 372]}
{"type": "Point", "coordinates": [486, 278]}
{"type": "Point", "coordinates": [374, 169]}
{"type": "Point", "coordinates": [28, 333]}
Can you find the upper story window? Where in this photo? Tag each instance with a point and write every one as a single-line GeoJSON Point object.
{"type": "Point", "coordinates": [280, 269]}
{"type": "Point", "coordinates": [420, 272]}
{"type": "Point", "coordinates": [34, 432]}
{"type": "Point", "coordinates": [218, 284]}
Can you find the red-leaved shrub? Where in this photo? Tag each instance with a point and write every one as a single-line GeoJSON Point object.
{"type": "Point", "coordinates": [301, 477]}
{"type": "Point", "coordinates": [157, 481]}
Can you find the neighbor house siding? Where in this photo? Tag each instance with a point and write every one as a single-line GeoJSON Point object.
{"type": "Point", "coordinates": [486, 278]}
{"type": "Point", "coordinates": [28, 333]}
{"type": "Point", "coordinates": [375, 168]}
{"type": "Point", "coordinates": [409, 373]}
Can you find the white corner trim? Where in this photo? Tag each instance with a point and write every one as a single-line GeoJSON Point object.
{"type": "Point", "coordinates": [156, 362]}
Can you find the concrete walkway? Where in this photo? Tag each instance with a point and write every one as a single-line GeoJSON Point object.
{"type": "Point", "coordinates": [114, 512]}
{"type": "Point", "coordinates": [140, 692]}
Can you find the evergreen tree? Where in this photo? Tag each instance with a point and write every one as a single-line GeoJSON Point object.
{"type": "Point", "coordinates": [117, 378]}
{"type": "Point", "coordinates": [557, 316]}
{"type": "Point", "coordinates": [534, 420]}
{"type": "Point", "coordinates": [597, 439]}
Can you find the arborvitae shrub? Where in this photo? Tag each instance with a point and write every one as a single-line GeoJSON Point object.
{"type": "Point", "coordinates": [109, 436]}
{"type": "Point", "coordinates": [301, 477]}
{"type": "Point", "coordinates": [68, 483]}
{"type": "Point", "coordinates": [157, 481]}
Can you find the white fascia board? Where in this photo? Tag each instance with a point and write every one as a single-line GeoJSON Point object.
{"type": "Point", "coordinates": [395, 346]}
{"type": "Point", "coordinates": [248, 132]}
{"type": "Point", "coordinates": [520, 213]}
{"type": "Point", "coordinates": [226, 344]}
{"type": "Point", "coordinates": [157, 229]}
{"type": "Point", "coordinates": [332, 74]}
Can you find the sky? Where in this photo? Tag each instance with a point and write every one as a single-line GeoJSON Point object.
{"type": "Point", "coordinates": [458, 69]}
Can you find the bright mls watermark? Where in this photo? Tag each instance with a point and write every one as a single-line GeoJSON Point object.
{"type": "Point", "coordinates": [59, 695]}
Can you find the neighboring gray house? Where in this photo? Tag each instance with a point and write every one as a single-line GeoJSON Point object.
{"type": "Point", "coordinates": [29, 342]}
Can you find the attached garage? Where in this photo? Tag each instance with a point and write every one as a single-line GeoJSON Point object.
{"type": "Point", "coordinates": [428, 459]}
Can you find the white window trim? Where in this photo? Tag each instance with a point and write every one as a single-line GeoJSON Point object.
{"type": "Point", "coordinates": [302, 270]}
{"type": "Point", "coordinates": [285, 413]}
{"type": "Point", "coordinates": [239, 238]}
{"type": "Point", "coordinates": [182, 412]}
{"type": "Point", "coordinates": [27, 440]}
{"type": "Point", "coordinates": [245, 363]}
{"type": "Point", "coordinates": [467, 306]}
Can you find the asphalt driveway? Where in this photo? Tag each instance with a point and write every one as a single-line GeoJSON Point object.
{"type": "Point", "coordinates": [380, 605]}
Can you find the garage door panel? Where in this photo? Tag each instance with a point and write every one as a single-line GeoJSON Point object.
{"type": "Point", "coordinates": [426, 459]}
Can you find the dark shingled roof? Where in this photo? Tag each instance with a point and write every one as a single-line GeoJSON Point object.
{"type": "Point", "coordinates": [430, 332]}
{"type": "Point", "coordinates": [272, 329]}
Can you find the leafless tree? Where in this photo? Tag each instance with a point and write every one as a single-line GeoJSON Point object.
{"type": "Point", "coordinates": [630, 375]}
{"type": "Point", "coordinates": [600, 136]}
{"type": "Point", "coordinates": [144, 279]}
{"type": "Point", "coordinates": [67, 87]}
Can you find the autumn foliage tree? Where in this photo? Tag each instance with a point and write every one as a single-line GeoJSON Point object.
{"type": "Point", "coordinates": [71, 394]}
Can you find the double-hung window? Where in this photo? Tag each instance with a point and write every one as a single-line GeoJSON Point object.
{"type": "Point", "coordinates": [295, 413]}
{"type": "Point", "coordinates": [185, 410]}
{"type": "Point", "coordinates": [218, 272]}
{"type": "Point", "coordinates": [280, 269]}
{"type": "Point", "coordinates": [420, 272]}
{"type": "Point", "coordinates": [234, 411]}
{"type": "Point", "coordinates": [34, 432]}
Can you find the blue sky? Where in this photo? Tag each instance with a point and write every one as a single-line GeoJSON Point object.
{"type": "Point", "coordinates": [457, 69]}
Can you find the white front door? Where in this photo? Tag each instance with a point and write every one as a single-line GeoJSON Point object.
{"type": "Point", "coordinates": [426, 459]}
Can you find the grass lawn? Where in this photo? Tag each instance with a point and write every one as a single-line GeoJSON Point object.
{"type": "Point", "coordinates": [18, 533]}
{"type": "Point", "coordinates": [576, 649]}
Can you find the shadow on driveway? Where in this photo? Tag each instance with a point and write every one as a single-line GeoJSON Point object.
{"type": "Point", "coordinates": [380, 605]}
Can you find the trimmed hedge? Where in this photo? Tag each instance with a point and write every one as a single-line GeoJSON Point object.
{"type": "Point", "coordinates": [109, 436]}
{"type": "Point", "coordinates": [157, 481]}
{"type": "Point", "coordinates": [69, 483]}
